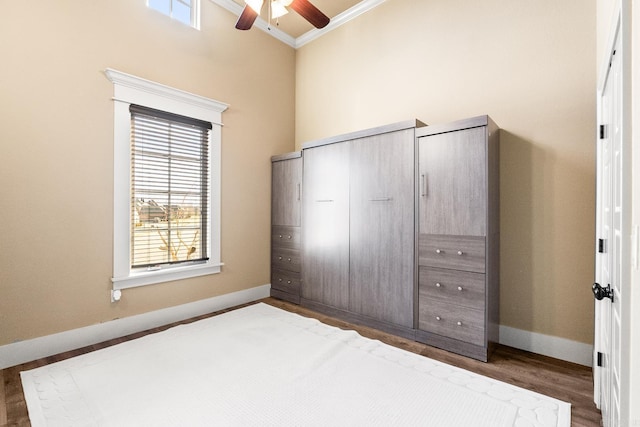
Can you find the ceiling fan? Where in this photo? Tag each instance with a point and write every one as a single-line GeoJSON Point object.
{"type": "Point", "coordinates": [278, 8]}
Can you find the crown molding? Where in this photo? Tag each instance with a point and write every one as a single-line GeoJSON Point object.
{"type": "Point", "coordinates": [339, 20]}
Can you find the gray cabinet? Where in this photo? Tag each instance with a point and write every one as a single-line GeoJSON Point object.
{"type": "Point", "coordinates": [381, 227]}
{"type": "Point", "coordinates": [396, 228]}
{"type": "Point", "coordinates": [286, 192]}
{"type": "Point", "coordinates": [358, 226]}
{"type": "Point", "coordinates": [458, 236]}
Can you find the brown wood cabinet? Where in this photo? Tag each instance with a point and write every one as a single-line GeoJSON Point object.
{"type": "Point", "coordinates": [286, 195]}
{"type": "Point", "coordinates": [458, 236]}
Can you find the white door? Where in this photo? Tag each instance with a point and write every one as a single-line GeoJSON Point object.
{"type": "Point", "coordinates": [607, 289]}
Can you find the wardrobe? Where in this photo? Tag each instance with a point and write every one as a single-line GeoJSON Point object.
{"type": "Point", "coordinates": [286, 195]}
{"type": "Point", "coordinates": [458, 236]}
{"type": "Point", "coordinates": [358, 226]}
{"type": "Point", "coordinates": [380, 226]}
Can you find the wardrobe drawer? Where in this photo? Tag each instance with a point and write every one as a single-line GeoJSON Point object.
{"type": "Point", "coordinates": [456, 252]}
{"type": "Point", "coordinates": [285, 259]}
{"type": "Point", "coordinates": [452, 321]}
{"type": "Point", "coordinates": [452, 286]}
{"type": "Point", "coordinates": [287, 281]}
{"type": "Point", "coordinates": [283, 236]}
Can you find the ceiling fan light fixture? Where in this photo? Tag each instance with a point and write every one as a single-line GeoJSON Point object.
{"type": "Point", "coordinates": [256, 5]}
{"type": "Point", "coordinates": [277, 9]}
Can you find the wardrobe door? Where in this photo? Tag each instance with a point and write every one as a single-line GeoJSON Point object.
{"type": "Point", "coordinates": [286, 178]}
{"type": "Point", "coordinates": [453, 183]}
{"type": "Point", "coordinates": [325, 276]}
{"type": "Point", "coordinates": [382, 227]}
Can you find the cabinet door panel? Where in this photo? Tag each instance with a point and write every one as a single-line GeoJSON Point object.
{"type": "Point", "coordinates": [452, 179]}
{"type": "Point", "coordinates": [382, 227]}
{"type": "Point", "coordinates": [325, 276]}
{"type": "Point", "coordinates": [286, 176]}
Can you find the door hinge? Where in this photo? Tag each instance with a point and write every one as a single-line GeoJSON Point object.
{"type": "Point", "coordinates": [599, 359]}
{"type": "Point", "coordinates": [601, 246]}
{"type": "Point", "coordinates": [601, 131]}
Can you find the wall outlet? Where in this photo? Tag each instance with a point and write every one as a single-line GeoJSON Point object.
{"type": "Point", "coordinates": [115, 295]}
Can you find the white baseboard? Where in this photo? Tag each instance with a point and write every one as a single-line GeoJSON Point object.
{"type": "Point", "coordinates": [37, 348]}
{"type": "Point", "coordinates": [33, 349]}
{"type": "Point", "coordinates": [547, 345]}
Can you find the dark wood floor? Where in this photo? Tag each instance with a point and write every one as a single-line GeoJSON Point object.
{"type": "Point", "coordinates": [562, 380]}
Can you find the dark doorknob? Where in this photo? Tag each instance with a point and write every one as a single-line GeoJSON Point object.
{"type": "Point", "coordinates": [600, 293]}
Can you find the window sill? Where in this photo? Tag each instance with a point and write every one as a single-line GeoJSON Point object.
{"type": "Point", "coordinates": [143, 278]}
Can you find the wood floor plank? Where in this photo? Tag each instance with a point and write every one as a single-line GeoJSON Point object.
{"type": "Point", "coordinates": [3, 408]}
{"type": "Point", "coordinates": [563, 380]}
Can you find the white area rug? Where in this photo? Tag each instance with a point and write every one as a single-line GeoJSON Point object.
{"type": "Point", "coordinates": [262, 366]}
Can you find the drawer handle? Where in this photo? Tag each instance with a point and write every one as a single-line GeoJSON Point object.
{"type": "Point", "coordinates": [438, 285]}
{"type": "Point", "coordinates": [460, 288]}
{"type": "Point", "coordinates": [280, 236]}
{"type": "Point", "coordinates": [438, 318]}
{"type": "Point", "coordinates": [288, 282]}
{"type": "Point", "coordinates": [289, 259]}
{"type": "Point", "coordinates": [438, 251]}
{"type": "Point", "coordinates": [288, 237]}
{"type": "Point", "coordinates": [460, 253]}
{"type": "Point", "coordinates": [279, 258]}
{"type": "Point", "coordinates": [280, 280]}
{"type": "Point", "coordinates": [459, 323]}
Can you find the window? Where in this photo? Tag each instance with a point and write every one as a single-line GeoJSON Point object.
{"type": "Point", "coordinates": [169, 188]}
{"type": "Point", "coordinates": [185, 11]}
{"type": "Point", "coordinates": [166, 183]}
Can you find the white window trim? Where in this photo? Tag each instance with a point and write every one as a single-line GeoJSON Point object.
{"type": "Point", "coordinates": [128, 89]}
{"type": "Point", "coordinates": [194, 14]}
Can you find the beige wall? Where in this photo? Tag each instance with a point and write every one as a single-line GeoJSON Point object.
{"type": "Point", "coordinates": [56, 151]}
{"type": "Point", "coordinates": [531, 67]}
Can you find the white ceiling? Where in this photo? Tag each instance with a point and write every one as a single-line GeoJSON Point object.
{"type": "Point", "coordinates": [295, 30]}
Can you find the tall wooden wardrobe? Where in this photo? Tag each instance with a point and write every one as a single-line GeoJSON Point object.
{"type": "Point", "coordinates": [396, 228]}
{"type": "Point", "coordinates": [459, 236]}
{"type": "Point", "coordinates": [358, 226]}
{"type": "Point", "coordinates": [286, 195]}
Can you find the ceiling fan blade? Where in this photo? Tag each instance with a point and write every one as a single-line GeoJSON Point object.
{"type": "Point", "coordinates": [246, 18]}
{"type": "Point", "coordinates": [310, 13]}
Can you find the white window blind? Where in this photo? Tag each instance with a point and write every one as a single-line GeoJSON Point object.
{"type": "Point", "coordinates": [169, 188]}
